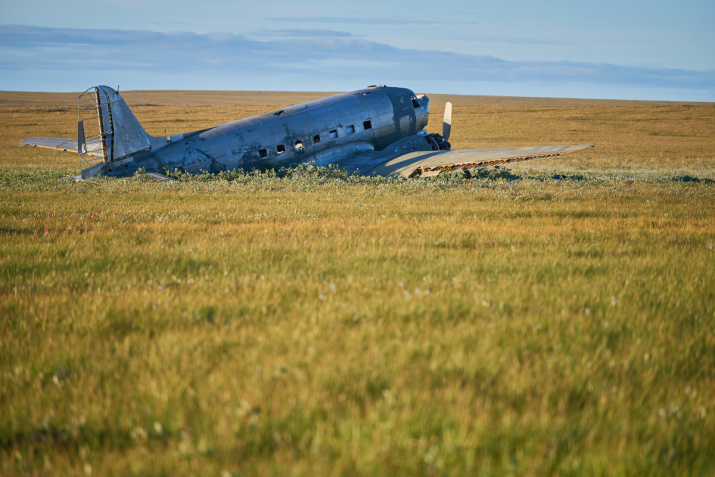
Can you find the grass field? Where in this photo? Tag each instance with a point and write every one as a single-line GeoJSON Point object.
{"type": "Point", "coordinates": [554, 318]}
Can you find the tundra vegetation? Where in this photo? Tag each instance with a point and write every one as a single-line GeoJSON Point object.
{"type": "Point", "coordinates": [556, 317]}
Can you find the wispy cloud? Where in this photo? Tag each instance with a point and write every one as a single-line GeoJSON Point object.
{"type": "Point", "coordinates": [307, 33]}
{"type": "Point", "coordinates": [356, 20]}
{"type": "Point", "coordinates": [297, 57]}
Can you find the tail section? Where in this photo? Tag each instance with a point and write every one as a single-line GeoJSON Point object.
{"type": "Point", "coordinates": [107, 130]}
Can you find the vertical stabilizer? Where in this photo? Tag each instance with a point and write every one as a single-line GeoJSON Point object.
{"type": "Point", "coordinates": [107, 130]}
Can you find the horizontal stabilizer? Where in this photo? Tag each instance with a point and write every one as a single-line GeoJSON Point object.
{"type": "Point", "coordinates": [61, 144]}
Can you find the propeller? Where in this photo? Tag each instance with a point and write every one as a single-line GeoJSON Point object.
{"type": "Point", "coordinates": [447, 121]}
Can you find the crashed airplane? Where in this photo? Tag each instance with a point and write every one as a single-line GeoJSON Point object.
{"type": "Point", "coordinates": [378, 130]}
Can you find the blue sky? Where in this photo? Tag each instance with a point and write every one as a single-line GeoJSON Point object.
{"type": "Point", "coordinates": [628, 49]}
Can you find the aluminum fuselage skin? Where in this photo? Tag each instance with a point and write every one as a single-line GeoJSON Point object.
{"type": "Point", "coordinates": [322, 132]}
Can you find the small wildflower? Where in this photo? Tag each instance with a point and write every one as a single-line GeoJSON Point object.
{"type": "Point", "coordinates": [332, 287]}
{"type": "Point", "coordinates": [614, 301]}
{"type": "Point", "coordinates": [138, 434]}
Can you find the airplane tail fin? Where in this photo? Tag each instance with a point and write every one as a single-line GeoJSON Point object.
{"type": "Point", "coordinates": [107, 130]}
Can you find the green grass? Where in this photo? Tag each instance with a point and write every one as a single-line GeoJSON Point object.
{"type": "Point", "coordinates": [311, 322]}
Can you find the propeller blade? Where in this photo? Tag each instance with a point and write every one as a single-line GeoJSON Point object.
{"type": "Point", "coordinates": [447, 121]}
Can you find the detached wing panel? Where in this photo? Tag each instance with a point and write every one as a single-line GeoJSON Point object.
{"type": "Point", "coordinates": [435, 162]}
{"type": "Point", "coordinates": [62, 144]}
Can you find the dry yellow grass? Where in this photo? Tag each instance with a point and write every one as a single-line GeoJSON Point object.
{"type": "Point", "coordinates": [317, 324]}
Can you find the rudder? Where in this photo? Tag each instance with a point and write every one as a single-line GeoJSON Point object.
{"type": "Point", "coordinates": [107, 130]}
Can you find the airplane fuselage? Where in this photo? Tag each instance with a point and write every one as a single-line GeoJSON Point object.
{"type": "Point", "coordinates": [321, 132]}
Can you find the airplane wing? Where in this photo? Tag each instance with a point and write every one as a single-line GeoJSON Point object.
{"type": "Point", "coordinates": [428, 163]}
{"type": "Point", "coordinates": [62, 144]}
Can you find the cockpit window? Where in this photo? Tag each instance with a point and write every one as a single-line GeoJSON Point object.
{"type": "Point", "coordinates": [415, 103]}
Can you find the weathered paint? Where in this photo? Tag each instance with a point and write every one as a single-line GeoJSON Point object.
{"type": "Point", "coordinates": [288, 136]}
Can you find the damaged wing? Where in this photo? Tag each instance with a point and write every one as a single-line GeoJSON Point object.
{"type": "Point", "coordinates": [428, 163]}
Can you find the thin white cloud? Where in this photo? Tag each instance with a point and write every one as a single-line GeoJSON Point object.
{"type": "Point", "coordinates": [356, 20]}
{"type": "Point", "coordinates": [306, 33]}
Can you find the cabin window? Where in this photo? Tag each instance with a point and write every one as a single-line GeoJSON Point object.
{"type": "Point", "coordinates": [350, 129]}
{"type": "Point", "coordinates": [299, 144]}
{"type": "Point", "coordinates": [262, 153]}
{"type": "Point", "coordinates": [415, 103]}
{"type": "Point", "coordinates": [280, 149]}
{"type": "Point", "coordinates": [367, 125]}
{"type": "Point", "coordinates": [316, 139]}
{"type": "Point", "coordinates": [334, 134]}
